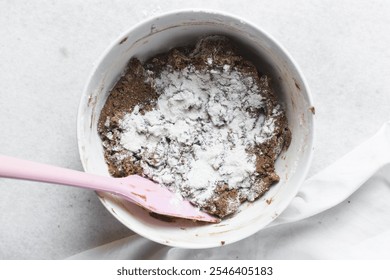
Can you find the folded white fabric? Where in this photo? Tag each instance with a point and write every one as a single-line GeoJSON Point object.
{"type": "Point", "coordinates": [340, 213]}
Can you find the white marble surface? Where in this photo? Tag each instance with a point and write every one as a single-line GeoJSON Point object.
{"type": "Point", "coordinates": [47, 50]}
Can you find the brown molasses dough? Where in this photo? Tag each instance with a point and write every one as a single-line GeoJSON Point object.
{"type": "Point", "coordinates": [136, 87]}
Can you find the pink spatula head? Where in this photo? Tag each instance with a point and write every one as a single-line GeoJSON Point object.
{"type": "Point", "coordinates": [136, 189]}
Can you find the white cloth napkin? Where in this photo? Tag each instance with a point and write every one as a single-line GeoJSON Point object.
{"type": "Point", "coordinates": [342, 212]}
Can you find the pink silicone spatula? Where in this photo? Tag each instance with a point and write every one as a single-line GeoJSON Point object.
{"type": "Point", "coordinates": [136, 189]}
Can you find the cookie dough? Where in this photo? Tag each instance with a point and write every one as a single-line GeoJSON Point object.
{"type": "Point", "coordinates": [200, 120]}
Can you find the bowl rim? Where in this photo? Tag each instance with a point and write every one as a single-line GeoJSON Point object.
{"type": "Point", "coordinates": [150, 20]}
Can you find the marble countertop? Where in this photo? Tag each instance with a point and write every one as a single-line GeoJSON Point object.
{"type": "Point", "coordinates": [47, 51]}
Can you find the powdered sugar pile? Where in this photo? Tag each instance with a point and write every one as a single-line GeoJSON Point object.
{"type": "Point", "coordinates": [201, 133]}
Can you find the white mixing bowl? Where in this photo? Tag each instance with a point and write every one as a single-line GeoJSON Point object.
{"type": "Point", "coordinates": [158, 35]}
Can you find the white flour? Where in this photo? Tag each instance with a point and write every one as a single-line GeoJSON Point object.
{"type": "Point", "coordinates": [199, 134]}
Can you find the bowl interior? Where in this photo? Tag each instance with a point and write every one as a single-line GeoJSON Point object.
{"type": "Point", "coordinates": [183, 28]}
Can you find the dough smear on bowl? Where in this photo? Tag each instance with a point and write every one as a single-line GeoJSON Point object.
{"type": "Point", "coordinates": [200, 120]}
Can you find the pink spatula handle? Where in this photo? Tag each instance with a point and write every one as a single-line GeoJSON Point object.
{"type": "Point", "coordinates": [133, 188]}
{"type": "Point", "coordinates": [11, 167]}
